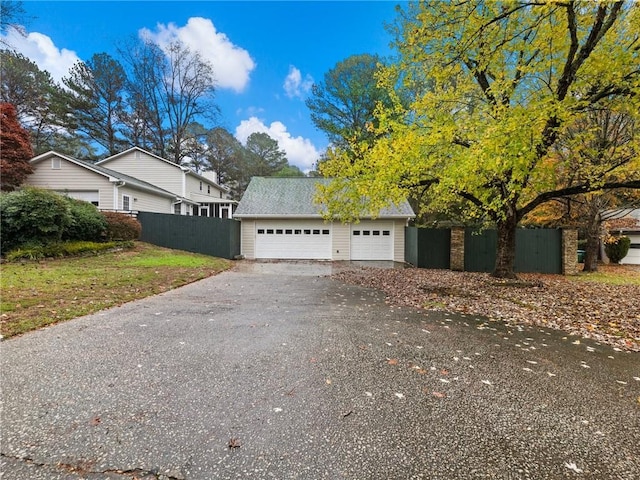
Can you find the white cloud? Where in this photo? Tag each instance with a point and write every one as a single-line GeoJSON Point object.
{"type": "Point", "coordinates": [300, 151]}
{"type": "Point", "coordinates": [231, 64]}
{"type": "Point", "coordinates": [294, 85]}
{"type": "Point", "coordinates": [41, 50]}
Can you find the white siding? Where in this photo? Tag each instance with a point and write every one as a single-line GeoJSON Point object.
{"type": "Point", "coordinates": [247, 239]}
{"type": "Point", "coordinates": [142, 201]}
{"type": "Point", "coordinates": [398, 241]}
{"type": "Point", "coordinates": [72, 177]}
{"type": "Point", "coordinates": [194, 192]}
{"type": "Point", "coordinates": [150, 169]}
{"type": "Point", "coordinates": [341, 237]}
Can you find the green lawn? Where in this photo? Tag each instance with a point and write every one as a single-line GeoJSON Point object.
{"type": "Point", "coordinates": [39, 293]}
{"type": "Point", "coordinates": [611, 274]}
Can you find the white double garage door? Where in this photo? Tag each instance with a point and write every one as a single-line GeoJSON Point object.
{"type": "Point", "coordinates": [313, 239]}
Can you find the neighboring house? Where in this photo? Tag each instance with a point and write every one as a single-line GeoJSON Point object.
{"type": "Point", "coordinates": [207, 198]}
{"type": "Point", "coordinates": [628, 225]}
{"type": "Point", "coordinates": [279, 220]}
{"type": "Point", "coordinates": [105, 188]}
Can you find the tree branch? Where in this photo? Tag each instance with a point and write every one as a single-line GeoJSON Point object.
{"type": "Point", "coordinates": [574, 190]}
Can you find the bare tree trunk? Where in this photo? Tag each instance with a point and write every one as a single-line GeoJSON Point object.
{"type": "Point", "coordinates": [506, 252]}
{"type": "Point", "coordinates": [593, 243]}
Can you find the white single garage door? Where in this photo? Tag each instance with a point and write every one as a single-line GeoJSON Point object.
{"type": "Point", "coordinates": [372, 240]}
{"type": "Point", "coordinates": [293, 239]}
{"type": "Point", "coordinates": [633, 256]}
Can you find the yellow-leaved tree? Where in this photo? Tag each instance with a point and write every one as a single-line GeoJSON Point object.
{"type": "Point", "coordinates": [493, 88]}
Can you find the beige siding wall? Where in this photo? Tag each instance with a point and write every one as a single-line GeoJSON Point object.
{"type": "Point", "coordinates": [194, 192]}
{"type": "Point", "coordinates": [398, 240]}
{"type": "Point", "coordinates": [341, 241]}
{"type": "Point", "coordinates": [248, 239]}
{"type": "Point", "coordinates": [149, 169]}
{"type": "Point", "coordinates": [142, 201]}
{"type": "Point", "coordinates": [72, 177]}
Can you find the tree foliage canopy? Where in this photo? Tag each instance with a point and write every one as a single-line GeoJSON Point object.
{"type": "Point", "coordinates": [15, 149]}
{"type": "Point", "coordinates": [505, 82]}
{"type": "Point", "coordinates": [343, 105]}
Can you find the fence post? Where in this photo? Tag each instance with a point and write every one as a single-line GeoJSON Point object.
{"type": "Point", "coordinates": [457, 249]}
{"type": "Point", "coordinates": [569, 251]}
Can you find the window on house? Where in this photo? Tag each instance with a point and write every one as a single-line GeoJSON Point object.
{"type": "Point", "coordinates": [279, 231]}
{"type": "Point", "coordinates": [386, 233]}
{"type": "Point", "coordinates": [298, 232]}
{"type": "Point", "coordinates": [55, 164]}
{"type": "Point", "coordinates": [325, 232]}
{"type": "Point", "coordinates": [176, 209]}
{"type": "Point", "coordinates": [288, 232]}
{"type": "Point", "coordinates": [200, 186]}
{"type": "Point", "coordinates": [261, 231]}
{"type": "Point", "coordinates": [208, 188]}
{"type": "Point", "coordinates": [126, 202]}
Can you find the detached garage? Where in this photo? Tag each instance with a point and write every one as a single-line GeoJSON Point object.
{"type": "Point", "coordinates": [281, 221]}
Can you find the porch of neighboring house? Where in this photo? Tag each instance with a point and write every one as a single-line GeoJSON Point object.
{"type": "Point", "coordinates": [221, 209]}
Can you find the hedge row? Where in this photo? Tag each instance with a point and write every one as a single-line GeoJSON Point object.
{"type": "Point", "coordinates": [32, 217]}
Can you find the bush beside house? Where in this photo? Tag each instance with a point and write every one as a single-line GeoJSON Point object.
{"type": "Point", "coordinates": [617, 248]}
{"type": "Point", "coordinates": [39, 222]}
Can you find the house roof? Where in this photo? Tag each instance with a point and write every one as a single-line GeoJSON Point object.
{"type": "Point", "coordinates": [111, 174]}
{"type": "Point", "coordinates": [187, 170]}
{"type": "Point", "coordinates": [294, 198]}
{"type": "Point", "coordinates": [627, 221]}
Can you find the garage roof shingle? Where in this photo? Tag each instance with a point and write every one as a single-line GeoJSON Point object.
{"type": "Point", "coordinates": [293, 197]}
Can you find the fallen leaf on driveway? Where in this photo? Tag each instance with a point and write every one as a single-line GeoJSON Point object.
{"type": "Point", "coordinates": [573, 466]}
{"type": "Point", "coordinates": [439, 394]}
{"type": "Point", "coordinates": [399, 395]}
{"type": "Point", "coordinates": [392, 361]}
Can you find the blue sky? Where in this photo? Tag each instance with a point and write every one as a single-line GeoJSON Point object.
{"type": "Point", "coordinates": [266, 54]}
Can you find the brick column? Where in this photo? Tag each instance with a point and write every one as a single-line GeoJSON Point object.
{"type": "Point", "coordinates": [457, 249]}
{"type": "Point", "coordinates": [569, 251]}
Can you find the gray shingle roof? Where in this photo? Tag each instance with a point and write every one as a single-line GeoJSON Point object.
{"type": "Point", "coordinates": [293, 197]}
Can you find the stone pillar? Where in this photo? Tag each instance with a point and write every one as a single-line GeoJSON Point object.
{"type": "Point", "coordinates": [457, 249]}
{"type": "Point", "coordinates": [569, 251]}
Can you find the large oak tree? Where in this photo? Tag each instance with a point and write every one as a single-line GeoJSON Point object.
{"type": "Point", "coordinates": [505, 80]}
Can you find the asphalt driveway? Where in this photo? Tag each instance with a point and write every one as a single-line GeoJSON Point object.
{"type": "Point", "coordinates": [275, 371]}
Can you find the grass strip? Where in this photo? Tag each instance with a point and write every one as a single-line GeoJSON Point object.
{"type": "Point", "coordinates": [40, 293]}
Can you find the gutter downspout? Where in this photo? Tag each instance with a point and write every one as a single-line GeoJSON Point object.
{"type": "Point", "coordinates": [116, 184]}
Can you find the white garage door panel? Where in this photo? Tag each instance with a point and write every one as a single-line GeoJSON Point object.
{"type": "Point", "coordinates": [633, 256]}
{"type": "Point", "coordinates": [306, 240]}
{"type": "Point", "coordinates": [372, 240]}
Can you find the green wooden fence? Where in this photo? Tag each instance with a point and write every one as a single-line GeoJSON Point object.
{"type": "Point", "coordinates": [428, 247]}
{"type": "Point", "coordinates": [537, 250]}
{"type": "Point", "coordinates": [218, 237]}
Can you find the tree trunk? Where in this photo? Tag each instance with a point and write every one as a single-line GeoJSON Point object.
{"type": "Point", "coordinates": [593, 244]}
{"type": "Point", "coordinates": [506, 251]}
